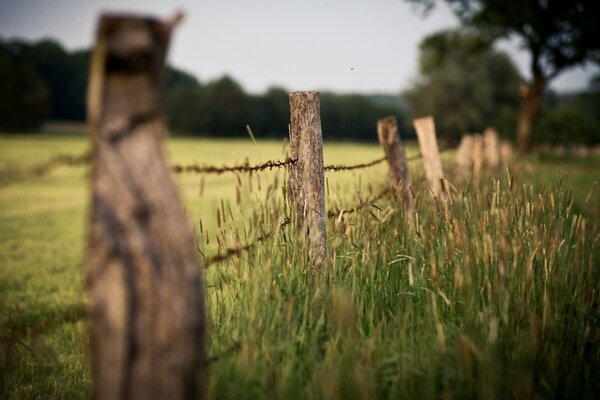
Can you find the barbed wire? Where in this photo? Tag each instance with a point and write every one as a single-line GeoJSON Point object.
{"type": "Point", "coordinates": [53, 162]}
{"type": "Point", "coordinates": [236, 251]}
{"type": "Point", "coordinates": [211, 169]}
{"type": "Point", "coordinates": [361, 205]}
{"type": "Point", "coordinates": [341, 167]}
{"type": "Point", "coordinates": [71, 160]}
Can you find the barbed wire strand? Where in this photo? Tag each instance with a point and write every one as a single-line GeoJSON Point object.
{"type": "Point", "coordinates": [335, 213]}
{"type": "Point", "coordinates": [212, 169]}
{"type": "Point", "coordinates": [58, 160]}
{"type": "Point", "coordinates": [236, 251]}
{"type": "Point", "coordinates": [341, 167]}
{"type": "Point", "coordinates": [230, 350]}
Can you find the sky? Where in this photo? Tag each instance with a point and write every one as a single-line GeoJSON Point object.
{"type": "Point", "coordinates": [368, 46]}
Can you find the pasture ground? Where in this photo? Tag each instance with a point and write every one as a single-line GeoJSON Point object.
{"type": "Point", "coordinates": [492, 293]}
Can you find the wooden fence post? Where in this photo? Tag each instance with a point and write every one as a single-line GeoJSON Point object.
{"type": "Point", "coordinates": [506, 151]}
{"type": "Point", "coordinates": [464, 159]}
{"type": "Point", "coordinates": [491, 147]}
{"type": "Point", "coordinates": [477, 155]}
{"type": "Point", "coordinates": [387, 132]}
{"type": "Point", "coordinates": [143, 275]}
{"type": "Point", "coordinates": [306, 175]}
{"type": "Point", "coordinates": [425, 128]}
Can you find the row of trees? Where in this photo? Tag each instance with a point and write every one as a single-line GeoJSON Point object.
{"type": "Point", "coordinates": [464, 82]}
{"type": "Point", "coordinates": [222, 108]}
{"type": "Point", "coordinates": [43, 81]}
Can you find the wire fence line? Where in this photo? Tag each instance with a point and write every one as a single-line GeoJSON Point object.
{"type": "Point", "coordinates": [85, 158]}
{"type": "Point", "coordinates": [212, 169]}
{"type": "Point", "coordinates": [238, 250]}
{"type": "Point", "coordinates": [71, 160]}
{"type": "Point", "coordinates": [362, 205]}
{"type": "Point", "coordinates": [341, 167]}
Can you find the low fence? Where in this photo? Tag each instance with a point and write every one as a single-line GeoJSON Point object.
{"type": "Point", "coordinates": [141, 257]}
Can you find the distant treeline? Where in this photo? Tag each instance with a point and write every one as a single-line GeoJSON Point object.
{"type": "Point", "coordinates": [42, 81]}
{"type": "Point", "coordinates": [464, 84]}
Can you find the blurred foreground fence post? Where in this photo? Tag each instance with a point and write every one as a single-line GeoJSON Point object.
{"type": "Point", "coordinates": [387, 132]}
{"type": "Point", "coordinates": [491, 147]}
{"type": "Point", "coordinates": [477, 155]}
{"type": "Point", "coordinates": [143, 275]}
{"type": "Point", "coordinates": [506, 152]}
{"type": "Point", "coordinates": [306, 174]}
{"type": "Point", "coordinates": [425, 128]}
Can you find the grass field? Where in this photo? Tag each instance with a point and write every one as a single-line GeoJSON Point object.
{"type": "Point", "coordinates": [492, 293]}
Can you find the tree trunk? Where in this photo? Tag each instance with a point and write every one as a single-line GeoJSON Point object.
{"type": "Point", "coordinates": [532, 103]}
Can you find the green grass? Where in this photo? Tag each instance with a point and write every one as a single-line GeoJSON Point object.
{"type": "Point", "coordinates": [492, 293]}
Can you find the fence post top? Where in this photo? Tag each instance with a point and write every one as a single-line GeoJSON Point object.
{"type": "Point", "coordinates": [305, 93]}
{"type": "Point", "coordinates": [423, 120]}
{"type": "Point", "coordinates": [387, 120]}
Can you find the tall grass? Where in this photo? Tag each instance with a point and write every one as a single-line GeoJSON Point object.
{"type": "Point", "coordinates": [491, 291]}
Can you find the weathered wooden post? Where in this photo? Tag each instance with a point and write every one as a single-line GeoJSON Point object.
{"type": "Point", "coordinates": [143, 276]}
{"type": "Point", "coordinates": [306, 175]}
{"type": "Point", "coordinates": [491, 147]}
{"type": "Point", "coordinates": [425, 128]}
{"type": "Point", "coordinates": [506, 151]}
{"type": "Point", "coordinates": [477, 155]}
{"type": "Point", "coordinates": [387, 132]}
{"type": "Point", "coordinates": [464, 160]}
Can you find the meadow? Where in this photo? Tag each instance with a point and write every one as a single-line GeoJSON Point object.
{"type": "Point", "coordinates": [491, 292]}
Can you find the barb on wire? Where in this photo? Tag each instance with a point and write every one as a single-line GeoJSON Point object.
{"type": "Point", "coordinates": [236, 251]}
{"type": "Point", "coordinates": [340, 167]}
{"type": "Point", "coordinates": [360, 206]}
{"type": "Point", "coordinates": [211, 169]}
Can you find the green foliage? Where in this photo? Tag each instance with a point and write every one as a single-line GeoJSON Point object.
{"type": "Point", "coordinates": [465, 85]}
{"type": "Point", "coordinates": [558, 34]}
{"type": "Point", "coordinates": [571, 118]}
{"type": "Point", "coordinates": [24, 99]}
{"type": "Point", "coordinates": [52, 84]}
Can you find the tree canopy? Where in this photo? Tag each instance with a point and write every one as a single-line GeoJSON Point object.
{"type": "Point", "coordinates": [465, 84]}
{"type": "Point", "coordinates": [557, 34]}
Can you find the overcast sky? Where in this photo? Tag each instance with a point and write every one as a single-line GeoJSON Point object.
{"type": "Point", "coordinates": [342, 45]}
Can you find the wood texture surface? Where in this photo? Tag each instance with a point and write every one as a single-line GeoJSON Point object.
{"type": "Point", "coordinates": [432, 162]}
{"type": "Point", "coordinates": [306, 175]}
{"type": "Point", "coordinates": [387, 132]}
{"type": "Point", "coordinates": [143, 275]}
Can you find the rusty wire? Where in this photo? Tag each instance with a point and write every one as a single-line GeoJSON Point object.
{"type": "Point", "coordinates": [236, 251]}
{"type": "Point", "coordinates": [341, 167]}
{"type": "Point", "coordinates": [58, 160]}
{"type": "Point", "coordinates": [53, 162]}
{"type": "Point", "coordinates": [361, 205]}
{"type": "Point", "coordinates": [212, 169]}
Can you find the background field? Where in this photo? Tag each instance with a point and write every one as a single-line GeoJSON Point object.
{"type": "Point", "coordinates": [495, 294]}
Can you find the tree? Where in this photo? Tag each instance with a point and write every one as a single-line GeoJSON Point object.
{"type": "Point", "coordinates": [226, 106]}
{"type": "Point", "coordinates": [557, 34]}
{"type": "Point", "coordinates": [572, 117]}
{"type": "Point", "coordinates": [465, 84]}
{"type": "Point", "coordinates": [24, 96]}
